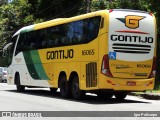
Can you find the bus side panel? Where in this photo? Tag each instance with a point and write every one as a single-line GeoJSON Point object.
{"type": "Point", "coordinates": [89, 65]}
{"type": "Point", "coordinates": [52, 76]}
{"type": "Point", "coordinates": [36, 68]}
{"type": "Point", "coordinates": [18, 66]}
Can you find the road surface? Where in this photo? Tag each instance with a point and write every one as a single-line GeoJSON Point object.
{"type": "Point", "coordinates": [41, 99]}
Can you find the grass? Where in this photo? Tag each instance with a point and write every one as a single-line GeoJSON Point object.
{"type": "Point", "coordinates": [149, 91]}
{"type": "Point", "coordinates": [153, 91]}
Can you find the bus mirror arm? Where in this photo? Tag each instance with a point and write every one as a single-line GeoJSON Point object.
{"type": "Point", "coordinates": [5, 48]}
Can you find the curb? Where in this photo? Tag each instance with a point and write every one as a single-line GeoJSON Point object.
{"type": "Point", "coordinates": [149, 96]}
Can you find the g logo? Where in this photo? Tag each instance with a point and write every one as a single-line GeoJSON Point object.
{"type": "Point", "coordinates": [132, 21]}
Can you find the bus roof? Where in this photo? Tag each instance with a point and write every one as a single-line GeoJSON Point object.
{"type": "Point", "coordinates": [38, 26]}
{"type": "Point", "coordinates": [129, 10]}
{"type": "Point", "coordinates": [66, 20]}
{"type": "Point", "coordinates": [54, 22]}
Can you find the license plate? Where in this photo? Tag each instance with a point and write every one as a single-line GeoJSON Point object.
{"type": "Point", "coordinates": [131, 83]}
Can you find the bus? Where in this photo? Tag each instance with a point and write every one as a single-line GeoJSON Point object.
{"type": "Point", "coordinates": [107, 52]}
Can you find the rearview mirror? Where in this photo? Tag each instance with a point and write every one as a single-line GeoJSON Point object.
{"type": "Point", "coordinates": [5, 50]}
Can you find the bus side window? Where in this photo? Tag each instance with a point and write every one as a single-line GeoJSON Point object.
{"type": "Point", "coordinates": [20, 44]}
{"type": "Point", "coordinates": [51, 43]}
{"type": "Point", "coordinates": [69, 33]}
{"type": "Point", "coordinates": [54, 36]}
{"type": "Point", "coordinates": [78, 32]}
{"type": "Point", "coordinates": [44, 44]}
{"type": "Point", "coordinates": [41, 39]}
{"type": "Point", "coordinates": [50, 39]}
{"type": "Point", "coordinates": [93, 28]}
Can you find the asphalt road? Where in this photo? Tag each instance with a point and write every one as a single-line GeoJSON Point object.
{"type": "Point", "coordinates": [41, 99]}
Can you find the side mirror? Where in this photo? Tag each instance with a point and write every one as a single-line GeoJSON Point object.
{"type": "Point", "coordinates": [5, 49]}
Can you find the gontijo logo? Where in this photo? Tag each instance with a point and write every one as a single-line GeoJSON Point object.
{"type": "Point", "coordinates": [131, 21]}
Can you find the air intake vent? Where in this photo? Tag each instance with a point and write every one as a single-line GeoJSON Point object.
{"type": "Point", "coordinates": [91, 74]}
{"type": "Point", "coordinates": [131, 48]}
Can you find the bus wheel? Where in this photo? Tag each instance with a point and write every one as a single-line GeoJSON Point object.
{"type": "Point", "coordinates": [53, 90]}
{"type": "Point", "coordinates": [64, 87]}
{"type": "Point", "coordinates": [76, 92]}
{"type": "Point", "coordinates": [120, 95]}
{"type": "Point", "coordinates": [20, 88]}
{"type": "Point", "coordinates": [104, 95]}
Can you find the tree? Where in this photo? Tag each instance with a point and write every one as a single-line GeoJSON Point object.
{"type": "Point", "coordinates": [2, 2]}
{"type": "Point", "coordinates": [51, 9]}
{"type": "Point", "coordinates": [13, 16]}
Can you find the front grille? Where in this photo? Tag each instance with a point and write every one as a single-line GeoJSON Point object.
{"type": "Point", "coordinates": [91, 74]}
{"type": "Point", "coordinates": [131, 48]}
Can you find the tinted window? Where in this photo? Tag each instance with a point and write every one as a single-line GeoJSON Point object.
{"type": "Point", "coordinates": [20, 44]}
{"type": "Point", "coordinates": [77, 32]}
{"type": "Point", "coordinates": [27, 41]}
{"type": "Point", "coordinates": [55, 36]}
{"type": "Point", "coordinates": [83, 31]}
{"type": "Point", "coordinates": [73, 33]}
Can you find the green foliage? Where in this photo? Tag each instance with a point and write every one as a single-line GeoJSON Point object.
{"type": "Point", "coordinates": [2, 2]}
{"type": "Point", "coordinates": [51, 9]}
{"type": "Point", "coordinates": [13, 16]}
{"type": "Point", "coordinates": [120, 4]}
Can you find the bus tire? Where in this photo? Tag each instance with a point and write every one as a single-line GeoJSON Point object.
{"type": "Point", "coordinates": [19, 87]}
{"type": "Point", "coordinates": [120, 95]}
{"type": "Point", "coordinates": [64, 87]}
{"type": "Point", "coordinates": [53, 90]}
{"type": "Point", "coordinates": [104, 95]}
{"type": "Point", "coordinates": [76, 92]}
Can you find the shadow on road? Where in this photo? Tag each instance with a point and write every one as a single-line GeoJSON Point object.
{"type": "Point", "coordinates": [88, 98]}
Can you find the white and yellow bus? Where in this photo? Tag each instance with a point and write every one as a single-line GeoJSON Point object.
{"type": "Point", "coordinates": [108, 52]}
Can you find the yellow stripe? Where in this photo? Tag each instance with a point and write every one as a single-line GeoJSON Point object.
{"type": "Point", "coordinates": [61, 20]}
{"type": "Point", "coordinates": [47, 24]}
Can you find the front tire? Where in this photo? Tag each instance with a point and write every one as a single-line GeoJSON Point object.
{"type": "Point", "coordinates": [76, 92]}
{"type": "Point", "coordinates": [20, 88]}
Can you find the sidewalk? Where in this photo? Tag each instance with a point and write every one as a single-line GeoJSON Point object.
{"type": "Point", "coordinates": [150, 96]}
